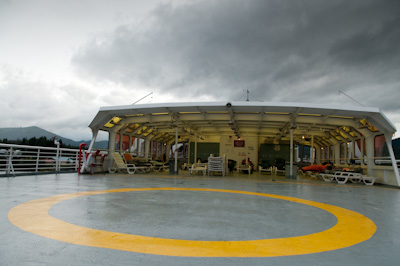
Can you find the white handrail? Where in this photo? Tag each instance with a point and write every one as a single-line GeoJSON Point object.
{"type": "Point", "coordinates": [24, 159]}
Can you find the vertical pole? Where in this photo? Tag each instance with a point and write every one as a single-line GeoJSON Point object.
{"type": "Point", "coordinates": [291, 153]}
{"type": "Point", "coordinates": [362, 141]}
{"type": "Point", "coordinates": [312, 150]}
{"type": "Point", "coordinates": [58, 153]}
{"type": "Point", "coordinates": [247, 148]}
{"type": "Point", "coordinates": [59, 160]}
{"type": "Point", "coordinates": [111, 142]}
{"type": "Point", "coordinates": [9, 165]}
{"type": "Point", "coordinates": [146, 148]}
{"type": "Point", "coordinates": [195, 148]}
{"type": "Point", "coordinates": [167, 150]}
{"type": "Point", "coordinates": [176, 150]}
{"type": "Point", "coordinates": [137, 147]}
{"type": "Point", "coordinates": [188, 152]}
{"type": "Point", "coordinates": [37, 160]}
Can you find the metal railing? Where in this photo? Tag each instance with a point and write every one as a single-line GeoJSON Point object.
{"type": "Point", "coordinates": [22, 159]}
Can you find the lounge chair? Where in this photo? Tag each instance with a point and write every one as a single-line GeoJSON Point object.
{"type": "Point", "coordinates": [244, 168]}
{"type": "Point", "coordinates": [141, 167]}
{"type": "Point", "coordinates": [368, 180]}
{"type": "Point", "coordinates": [158, 166]}
{"type": "Point", "coordinates": [185, 166]}
{"type": "Point", "coordinates": [280, 171]}
{"type": "Point", "coordinates": [198, 168]}
{"type": "Point", "coordinates": [265, 170]}
{"type": "Point", "coordinates": [119, 164]}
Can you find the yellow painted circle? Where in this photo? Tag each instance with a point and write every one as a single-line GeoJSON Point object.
{"type": "Point", "coordinates": [351, 228]}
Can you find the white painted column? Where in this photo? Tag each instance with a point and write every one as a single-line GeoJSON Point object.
{"type": "Point", "coordinates": [337, 153]}
{"type": "Point", "coordinates": [195, 148]}
{"type": "Point", "coordinates": [146, 148]}
{"type": "Point", "coordinates": [312, 150]}
{"type": "Point", "coordinates": [188, 161]}
{"type": "Point", "coordinates": [137, 147]}
{"type": "Point", "coordinates": [362, 150]}
{"type": "Point", "coordinates": [167, 151]}
{"type": "Point", "coordinates": [94, 136]}
{"type": "Point", "coordinates": [369, 142]}
{"type": "Point", "coordinates": [176, 150]}
{"type": "Point", "coordinates": [318, 154]}
{"type": "Point", "coordinates": [246, 146]}
{"type": "Point", "coordinates": [111, 141]}
{"type": "Point", "coordinates": [291, 153]}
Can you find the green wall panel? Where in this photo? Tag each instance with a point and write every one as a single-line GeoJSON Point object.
{"type": "Point", "coordinates": [204, 149]}
{"type": "Point", "coordinates": [270, 152]}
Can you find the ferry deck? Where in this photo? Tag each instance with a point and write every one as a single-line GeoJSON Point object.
{"type": "Point", "coordinates": [180, 218]}
{"type": "Point", "coordinates": [163, 219]}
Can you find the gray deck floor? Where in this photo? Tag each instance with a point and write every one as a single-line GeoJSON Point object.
{"type": "Point", "coordinates": [196, 215]}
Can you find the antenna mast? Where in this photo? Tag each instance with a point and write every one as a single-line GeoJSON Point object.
{"type": "Point", "coordinates": [341, 92]}
{"type": "Point", "coordinates": [142, 98]}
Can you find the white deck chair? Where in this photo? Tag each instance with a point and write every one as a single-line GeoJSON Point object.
{"type": "Point", "coordinates": [119, 164]}
{"type": "Point", "coordinates": [269, 170]}
{"type": "Point", "coordinates": [198, 168]}
{"type": "Point", "coordinates": [343, 177]}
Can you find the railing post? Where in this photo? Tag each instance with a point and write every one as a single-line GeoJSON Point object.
{"type": "Point", "coordinates": [59, 159]}
{"type": "Point", "coordinates": [56, 142]}
{"type": "Point", "coordinates": [76, 160]}
{"type": "Point", "coordinates": [37, 161]}
{"type": "Point", "coordinates": [10, 165]}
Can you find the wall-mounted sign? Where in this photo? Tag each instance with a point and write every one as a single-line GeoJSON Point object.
{"type": "Point", "coordinates": [238, 143]}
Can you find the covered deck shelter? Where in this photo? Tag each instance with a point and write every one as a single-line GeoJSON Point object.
{"type": "Point", "coordinates": [339, 134]}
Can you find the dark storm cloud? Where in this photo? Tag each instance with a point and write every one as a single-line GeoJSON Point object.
{"type": "Point", "coordinates": [279, 50]}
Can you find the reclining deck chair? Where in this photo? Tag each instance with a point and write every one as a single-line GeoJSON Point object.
{"type": "Point", "coordinates": [159, 166]}
{"type": "Point", "coordinates": [139, 166]}
{"type": "Point", "coordinates": [119, 164]}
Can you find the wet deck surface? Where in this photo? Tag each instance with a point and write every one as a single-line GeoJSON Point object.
{"type": "Point", "coordinates": [170, 211]}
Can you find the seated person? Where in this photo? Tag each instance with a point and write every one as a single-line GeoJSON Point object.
{"type": "Point", "coordinates": [248, 163]}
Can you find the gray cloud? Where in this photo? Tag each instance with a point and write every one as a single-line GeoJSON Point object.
{"type": "Point", "coordinates": [279, 50]}
{"type": "Point", "coordinates": [63, 109]}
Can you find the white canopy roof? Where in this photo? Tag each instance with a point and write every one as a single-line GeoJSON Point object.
{"type": "Point", "coordinates": [327, 123]}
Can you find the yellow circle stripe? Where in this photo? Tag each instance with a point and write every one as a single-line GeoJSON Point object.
{"type": "Point", "coordinates": [351, 228]}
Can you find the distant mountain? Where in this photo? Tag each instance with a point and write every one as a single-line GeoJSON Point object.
{"type": "Point", "coordinates": [18, 133]}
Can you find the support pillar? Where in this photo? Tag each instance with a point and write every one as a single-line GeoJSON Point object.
{"type": "Point", "coordinates": [176, 151]}
{"type": "Point", "coordinates": [312, 150]}
{"type": "Point", "coordinates": [195, 148]}
{"type": "Point", "coordinates": [291, 154]}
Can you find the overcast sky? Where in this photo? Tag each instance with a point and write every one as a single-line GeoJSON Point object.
{"type": "Point", "coordinates": [60, 61]}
